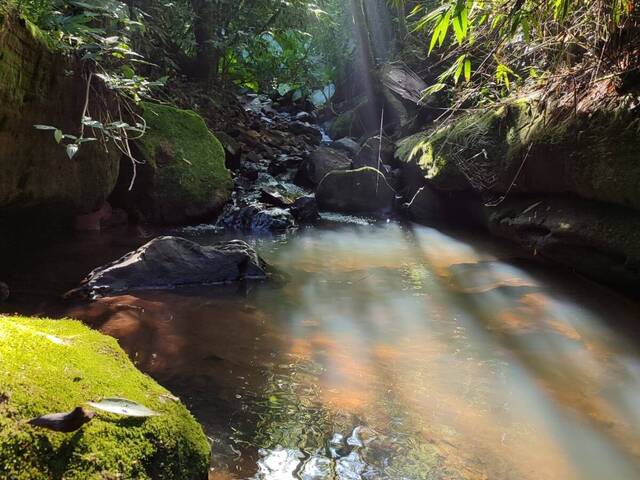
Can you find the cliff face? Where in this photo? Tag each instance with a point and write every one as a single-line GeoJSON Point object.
{"type": "Point", "coordinates": [564, 182]}
{"type": "Point", "coordinates": [41, 86]}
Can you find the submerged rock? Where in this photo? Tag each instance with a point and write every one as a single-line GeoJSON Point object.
{"type": "Point", "coordinates": [355, 191]}
{"type": "Point", "coordinates": [56, 365]}
{"type": "Point", "coordinates": [168, 262]}
{"type": "Point", "coordinates": [320, 162]}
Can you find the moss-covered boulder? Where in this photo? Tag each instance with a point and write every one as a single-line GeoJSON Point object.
{"type": "Point", "coordinates": [594, 154]}
{"type": "Point", "coordinates": [41, 86]}
{"type": "Point", "coordinates": [183, 178]}
{"type": "Point", "coordinates": [364, 190]}
{"type": "Point", "coordinates": [50, 366]}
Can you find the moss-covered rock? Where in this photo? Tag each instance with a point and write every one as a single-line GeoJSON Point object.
{"type": "Point", "coordinates": [593, 154]}
{"type": "Point", "coordinates": [183, 178]}
{"type": "Point", "coordinates": [41, 86]}
{"type": "Point", "coordinates": [51, 366]}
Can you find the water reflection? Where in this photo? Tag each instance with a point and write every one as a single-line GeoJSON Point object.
{"type": "Point", "coordinates": [399, 353]}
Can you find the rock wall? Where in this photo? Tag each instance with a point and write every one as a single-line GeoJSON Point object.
{"type": "Point", "coordinates": [41, 86]}
{"type": "Point", "coordinates": [563, 183]}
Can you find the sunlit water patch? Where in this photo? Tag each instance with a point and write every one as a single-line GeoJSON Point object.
{"type": "Point", "coordinates": [397, 353]}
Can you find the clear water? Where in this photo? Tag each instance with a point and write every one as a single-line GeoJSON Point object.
{"type": "Point", "coordinates": [397, 353]}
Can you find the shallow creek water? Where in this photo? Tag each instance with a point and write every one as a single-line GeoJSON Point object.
{"type": "Point", "coordinates": [397, 352]}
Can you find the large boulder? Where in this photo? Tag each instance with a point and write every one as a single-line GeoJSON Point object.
{"type": "Point", "coordinates": [320, 162]}
{"type": "Point", "coordinates": [51, 366]}
{"type": "Point", "coordinates": [346, 144]}
{"type": "Point", "coordinates": [168, 262]}
{"type": "Point", "coordinates": [355, 191]}
{"type": "Point", "coordinates": [373, 154]}
{"type": "Point", "coordinates": [40, 86]}
{"type": "Point", "coordinates": [183, 178]}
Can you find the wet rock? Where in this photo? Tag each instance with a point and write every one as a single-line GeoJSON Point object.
{"type": "Point", "coordinates": [169, 262]}
{"type": "Point", "coordinates": [320, 162]}
{"type": "Point", "coordinates": [355, 191]}
{"type": "Point", "coordinates": [253, 157]}
{"type": "Point", "coordinates": [305, 210]}
{"type": "Point", "coordinates": [232, 150]}
{"type": "Point", "coordinates": [303, 128]}
{"type": "Point", "coordinates": [305, 117]}
{"type": "Point", "coordinates": [257, 219]}
{"type": "Point", "coordinates": [274, 198]}
{"type": "Point", "coordinates": [373, 153]}
{"type": "Point", "coordinates": [251, 171]}
{"type": "Point", "coordinates": [346, 144]}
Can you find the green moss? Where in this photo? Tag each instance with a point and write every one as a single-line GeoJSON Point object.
{"type": "Point", "coordinates": [51, 366]}
{"type": "Point", "coordinates": [439, 153]}
{"type": "Point", "coordinates": [187, 158]}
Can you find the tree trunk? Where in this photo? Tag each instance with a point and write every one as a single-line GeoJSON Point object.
{"type": "Point", "coordinates": [204, 31]}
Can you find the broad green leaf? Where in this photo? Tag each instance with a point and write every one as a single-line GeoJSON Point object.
{"type": "Point", "coordinates": [57, 134]}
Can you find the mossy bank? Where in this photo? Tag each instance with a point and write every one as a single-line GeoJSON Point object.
{"type": "Point", "coordinates": [50, 366]}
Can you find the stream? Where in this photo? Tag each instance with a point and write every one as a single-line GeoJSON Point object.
{"type": "Point", "coordinates": [393, 352]}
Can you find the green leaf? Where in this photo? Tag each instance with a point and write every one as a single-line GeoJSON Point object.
{"type": "Point", "coordinates": [57, 135]}
{"type": "Point", "coordinates": [433, 89]}
{"type": "Point", "coordinates": [460, 66]}
{"type": "Point", "coordinates": [467, 70]}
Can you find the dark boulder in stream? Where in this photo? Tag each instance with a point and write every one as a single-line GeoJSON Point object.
{"type": "Point", "coordinates": [320, 162]}
{"type": "Point", "coordinates": [169, 262]}
{"type": "Point", "coordinates": [356, 191]}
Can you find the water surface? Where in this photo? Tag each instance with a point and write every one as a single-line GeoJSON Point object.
{"type": "Point", "coordinates": [397, 352]}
